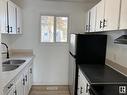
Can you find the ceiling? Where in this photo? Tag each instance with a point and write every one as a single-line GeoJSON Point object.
{"type": "Point", "coordinates": [86, 1]}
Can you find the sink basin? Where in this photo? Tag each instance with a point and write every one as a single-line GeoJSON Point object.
{"type": "Point", "coordinates": [14, 62]}
{"type": "Point", "coordinates": [11, 64]}
{"type": "Point", "coordinates": [9, 67]}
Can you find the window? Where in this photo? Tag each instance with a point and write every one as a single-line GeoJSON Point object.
{"type": "Point", "coordinates": [54, 28]}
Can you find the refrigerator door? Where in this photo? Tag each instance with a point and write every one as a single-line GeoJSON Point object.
{"type": "Point", "coordinates": [72, 45]}
{"type": "Point", "coordinates": [71, 75]}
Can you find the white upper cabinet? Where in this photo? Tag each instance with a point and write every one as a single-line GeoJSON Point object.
{"type": "Point", "coordinates": [111, 18]}
{"type": "Point", "coordinates": [87, 18]}
{"type": "Point", "coordinates": [19, 20]}
{"type": "Point", "coordinates": [108, 15]}
{"type": "Point", "coordinates": [123, 15]}
{"type": "Point", "coordinates": [100, 16]}
{"type": "Point", "coordinates": [92, 19]}
{"type": "Point", "coordinates": [3, 16]}
{"type": "Point", "coordinates": [11, 17]}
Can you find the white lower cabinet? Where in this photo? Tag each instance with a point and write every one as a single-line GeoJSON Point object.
{"type": "Point", "coordinates": [21, 85]}
{"type": "Point", "coordinates": [83, 84]}
{"type": "Point", "coordinates": [26, 82]}
{"type": "Point", "coordinates": [30, 76]}
{"type": "Point", "coordinates": [12, 91]}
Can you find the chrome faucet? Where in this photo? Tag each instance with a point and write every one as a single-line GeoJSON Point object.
{"type": "Point", "coordinates": [7, 53]}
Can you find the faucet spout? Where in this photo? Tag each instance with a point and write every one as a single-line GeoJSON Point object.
{"type": "Point", "coordinates": [7, 49]}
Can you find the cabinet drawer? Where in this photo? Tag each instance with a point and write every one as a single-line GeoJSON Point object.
{"type": "Point", "coordinates": [9, 87]}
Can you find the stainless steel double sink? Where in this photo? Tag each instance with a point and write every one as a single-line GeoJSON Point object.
{"type": "Point", "coordinates": [10, 65]}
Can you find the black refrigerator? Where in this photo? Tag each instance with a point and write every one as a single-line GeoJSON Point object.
{"type": "Point", "coordinates": [84, 49]}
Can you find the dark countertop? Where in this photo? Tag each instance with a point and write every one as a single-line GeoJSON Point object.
{"type": "Point", "coordinates": [102, 74]}
{"type": "Point", "coordinates": [108, 89]}
{"type": "Point", "coordinates": [103, 79]}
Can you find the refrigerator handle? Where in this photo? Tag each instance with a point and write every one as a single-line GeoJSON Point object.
{"type": "Point", "coordinates": [72, 55]}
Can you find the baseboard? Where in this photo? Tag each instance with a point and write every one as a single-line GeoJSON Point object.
{"type": "Point", "coordinates": [39, 83]}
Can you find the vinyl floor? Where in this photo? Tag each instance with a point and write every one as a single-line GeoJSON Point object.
{"type": "Point", "coordinates": [49, 90]}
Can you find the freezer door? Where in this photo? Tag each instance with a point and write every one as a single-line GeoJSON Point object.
{"type": "Point", "coordinates": [72, 72]}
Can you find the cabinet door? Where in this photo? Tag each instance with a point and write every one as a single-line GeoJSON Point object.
{"type": "Point", "coordinates": [100, 16]}
{"type": "Point", "coordinates": [123, 15]}
{"type": "Point", "coordinates": [19, 86]}
{"type": "Point", "coordinates": [92, 19]}
{"type": "Point", "coordinates": [30, 76]}
{"type": "Point", "coordinates": [26, 78]}
{"type": "Point", "coordinates": [83, 85]}
{"type": "Point", "coordinates": [87, 18]}
{"type": "Point", "coordinates": [79, 85]}
{"type": "Point", "coordinates": [3, 18]}
{"type": "Point", "coordinates": [112, 11]}
{"type": "Point", "coordinates": [12, 17]}
{"type": "Point", "coordinates": [83, 88]}
{"type": "Point", "coordinates": [19, 20]}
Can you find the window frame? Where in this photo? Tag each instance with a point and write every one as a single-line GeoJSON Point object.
{"type": "Point", "coordinates": [54, 40]}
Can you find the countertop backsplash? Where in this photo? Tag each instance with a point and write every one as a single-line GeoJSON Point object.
{"type": "Point", "coordinates": [117, 67]}
{"type": "Point", "coordinates": [17, 52]}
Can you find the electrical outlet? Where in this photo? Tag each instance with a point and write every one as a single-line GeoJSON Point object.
{"type": "Point", "coordinates": [122, 89]}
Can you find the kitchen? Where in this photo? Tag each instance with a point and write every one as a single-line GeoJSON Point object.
{"type": "Point", "coordinates": [51, 59]}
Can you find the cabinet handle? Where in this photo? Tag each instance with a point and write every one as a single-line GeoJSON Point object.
{"type": "Point", "coordinates": [15, 92]}
{"type": "Point", "coordinates": [104, 23]}
{"type": "Point", "coordinates": [23, 81]}
{"type": "Point", "coordinates": [89, 28]}
{"type": "Point", "coordinates": [26, 78]}
{"type": "Point", "coordinates": [81, 90]}
{"type": "Point", "coordinates": [18, 29]}
{"type": "Point", "coordinates": [101, 24]}
{"type": "Point", "coordinates": [10, 29]}
{"type": "Point", "coordinates": [86, 27]}
{"type": "Point", "coordinates": [10, 86]}
{"type": "Point", "coordinates": [31, 70]}
{"type": "Point", "coordinates": [87, 88]}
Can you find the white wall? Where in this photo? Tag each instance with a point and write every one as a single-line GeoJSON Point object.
{"type": "Point", "coordinates": [51, 61]}
{"type": "Point", "coordinates": [116, 52]}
